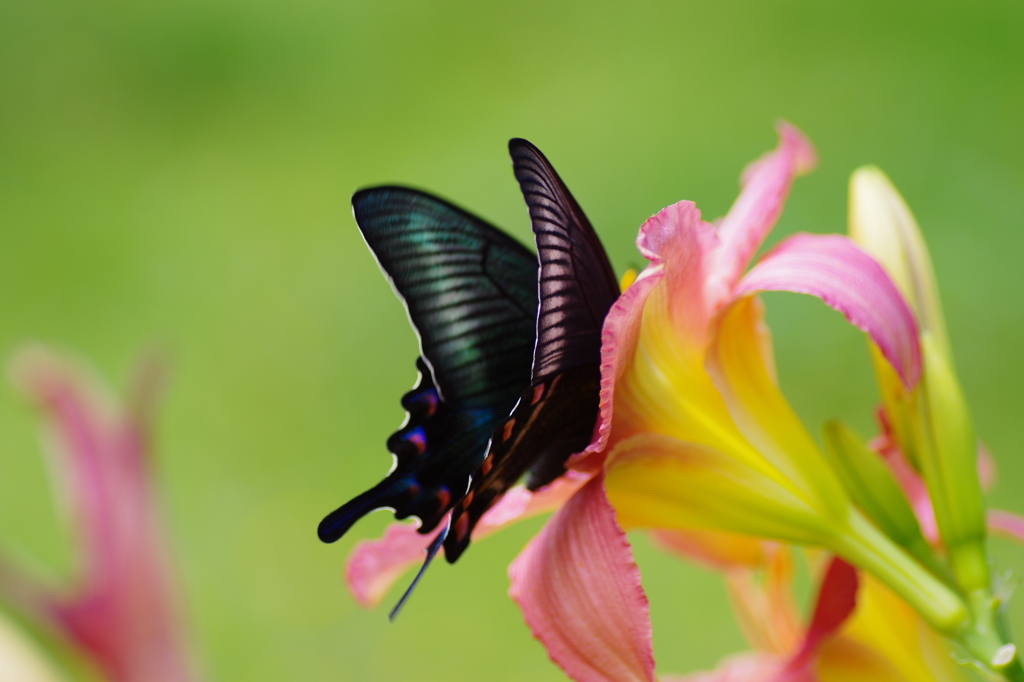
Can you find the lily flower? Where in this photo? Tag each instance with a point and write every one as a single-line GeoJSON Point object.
{"type": "Point", "coordinates": [698, 433]}
{"type": "Point", "coordinates": [120, 609]}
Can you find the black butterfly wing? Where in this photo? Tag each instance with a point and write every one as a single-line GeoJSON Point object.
{"type": "Point", "coordinates": [470, 292]}
{"type": "Point", "coordinates": [577, 283]}
{"type": "Point", "coordinates": [555, 416]}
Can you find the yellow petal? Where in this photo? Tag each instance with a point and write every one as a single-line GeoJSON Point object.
{"type": "Point", "coordinates": [901, 406]}
{"type": "Point", "coordinates": [628, 277]}
{"type": "Point", "coordinates": [666, 389]}
{"type": "Point", "coordinates": [886, 640]}
{"type": "Point", "coordinates": [736, 361]}
{"type": "Point", "coordinates": [21, 659]}
{"type": "Point", "coordinates": [656, 481]}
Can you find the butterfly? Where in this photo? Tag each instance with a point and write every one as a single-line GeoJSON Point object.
{"type": "Point", "coordinates": [510, 346]}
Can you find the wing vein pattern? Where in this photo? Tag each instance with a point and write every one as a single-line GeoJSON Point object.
{"type": "Point", "coordinates": [577, 285]}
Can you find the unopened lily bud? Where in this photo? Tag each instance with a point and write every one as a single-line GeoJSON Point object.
{"type": "Point", "coordinates": [882, 225]}
{"type": "Point", "coordinates": [872, 486]}
{"type": "Point", "coordinates": [930, 422]}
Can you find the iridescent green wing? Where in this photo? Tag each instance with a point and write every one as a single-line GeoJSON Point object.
{"type": "Point", "coordinates": [471, 295]}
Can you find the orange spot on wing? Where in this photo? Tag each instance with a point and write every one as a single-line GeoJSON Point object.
{"type": "Point", "coordinates": [444, 497]}
{"type": "Point", "coordinates": [461, 527]}
{"type": "Point", "coordinates": [509, 425]}
{"type": "Point", "coordinates": [538, 393]}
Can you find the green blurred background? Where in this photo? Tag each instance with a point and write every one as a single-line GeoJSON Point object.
{"type": "Point", "coordinates": [178, 175]}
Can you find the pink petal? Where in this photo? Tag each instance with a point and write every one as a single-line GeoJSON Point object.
{"type": "Point", "coordinates": [579, 590]}
{"type": "Point", "coordinates": [764, 606]}
{"type": "Point", "coordinates": [679, 240]}
{"type": "Point", "coordinates": [765, 183]}
{"type": "Point", "coordinates": [676, 241]}
{"type": "Point", "coordinates": [910, 481]}
{"type": "Point", "coordinates": [837, 598]}
{"type": "Point", "coordinates": [986, 468]}
{"type": "Point", "coordinates": [374, 566]}
{"type": "Point", "coordinates": [618, 342]}
{"type": "Point", "coordinates": [1006, 524]}
{"type": "Point", "coordinates": [802, 674]}
{"type": "Point", "coordinates": [833, 269]}
{"type": "Point", "coordinates": [716, 550]}
{"type": "Point", "coordinates": [519, 503]}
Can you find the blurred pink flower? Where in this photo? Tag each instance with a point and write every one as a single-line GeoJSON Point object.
{"type": "Point", "coordinates": [119, 609]}
{"type": "Point", "coordinates": [764, 608]}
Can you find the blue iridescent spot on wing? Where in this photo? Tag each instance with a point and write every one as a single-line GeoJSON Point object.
{"type": "Point", "coordinates": [418, 438]}
{"type": "Point", "coordinates": [420, 404]}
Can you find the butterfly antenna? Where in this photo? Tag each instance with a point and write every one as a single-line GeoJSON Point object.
{"type": "Point", "coordinates": [431, 552]}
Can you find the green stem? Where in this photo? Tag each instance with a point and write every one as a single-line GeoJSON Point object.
{"type": "Point", "coordinates": [984, 641]}
{"type": "Point", "coordinates": [1014, 672]}
{"type": "Point", "coordinates": [866, 547]}
{"type": "Point", "coordinates": [922, 551]}
{"type": "Point", "coordinates": [971, 624]}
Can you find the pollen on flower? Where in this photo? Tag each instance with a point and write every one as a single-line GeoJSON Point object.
{"type": "Point", "coordinates": [628, 277]}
